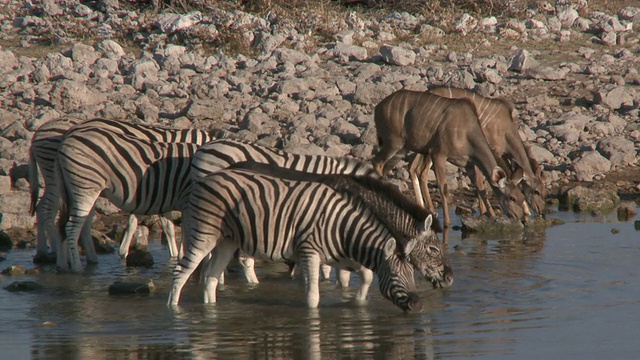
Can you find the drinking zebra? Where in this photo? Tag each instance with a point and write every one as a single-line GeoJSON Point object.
{"type": "Point", "coordinates": [222, 153]}
{"type": "Point", "coordinates": [279, 219]}
{"type": "Point", "coordinates": [43, 152]}
{"type": "Point", "coordinates": [137, 175]}
{"type": "Point", "coordinates": [405, 218]}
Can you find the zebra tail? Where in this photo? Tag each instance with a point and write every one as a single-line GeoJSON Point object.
{"type": "Point", "coordinates": [63, 208]}
{"type": "Point", "coordinates": [34, 185]}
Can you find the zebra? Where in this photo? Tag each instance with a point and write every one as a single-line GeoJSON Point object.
{"type": "Point", "coordinates": [43, 152]}
{"type": "Point", "coordinates": [222, 153]}
{"type": "Point", "coordinates": [137, 175]}
{"type": "Point", "coordinates": [280, 219]}
{"type": "Point", "coordinates": [405, 218]}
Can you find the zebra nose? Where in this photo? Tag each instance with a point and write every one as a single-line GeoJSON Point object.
{"type": "Point", "coordinates": [448, 276]}
{"type": "Point", "coordinates": [413, 303]}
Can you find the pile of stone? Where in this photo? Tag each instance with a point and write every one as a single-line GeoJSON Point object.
{"type": "Point", "coordinates": [577, 98]}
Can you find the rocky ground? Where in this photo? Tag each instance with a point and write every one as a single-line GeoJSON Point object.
{"type": "Point", "coordinates": [307, 79]}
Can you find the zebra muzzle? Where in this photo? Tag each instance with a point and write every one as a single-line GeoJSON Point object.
{"type": "Point", "coordinates": [445, 280]}
{"type": "Point", "coordinates": [413, 303]}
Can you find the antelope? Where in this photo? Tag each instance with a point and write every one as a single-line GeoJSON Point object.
{"type": "Point", "coordinates": [501, 131]}
{"type": "Point", "coordinates": [440, 129]}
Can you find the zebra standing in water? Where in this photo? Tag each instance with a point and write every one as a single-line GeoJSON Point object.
{"type": "Point", "coordinates": [279, 219]}
{"type": "Point", "coordinates": [42, 154]}
{"type": "Point", "coordinates": [406, 219]}
{"type": "Point", "coordinates": [136, 175]}
{"type": "Point", "coordinates": [222, 153]}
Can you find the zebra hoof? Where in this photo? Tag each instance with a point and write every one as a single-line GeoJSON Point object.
{"type": "Point", "coordinates": [44, 258]}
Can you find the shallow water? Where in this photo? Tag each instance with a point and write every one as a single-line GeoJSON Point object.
{"type": "Point", "coordinates": [571, 292]}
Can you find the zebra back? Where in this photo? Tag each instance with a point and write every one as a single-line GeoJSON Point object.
{"type": "Point", "coordinates": [46, 140]}
{"type": "Point", "coordinates": [149, 132]}
{"type": "Point", "coordinates": [137, 175]}
{"type": "Point", "coordinates": [220, 154]}
{"type": "Point", "coordinates": [397, 211]}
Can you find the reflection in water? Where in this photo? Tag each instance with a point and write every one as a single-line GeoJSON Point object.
{"type": "Point", "coordinates": [343, 331]}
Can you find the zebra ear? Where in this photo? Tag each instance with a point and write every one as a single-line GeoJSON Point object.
{"type": "Point", "coordinates": [389, 248]}
{"type": "Point", "coordinates": [425, 225]}
{"type": "Point", "coordinates": [409, 246]}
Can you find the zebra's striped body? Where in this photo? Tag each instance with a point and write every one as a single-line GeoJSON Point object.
{"type": "Point", "coordinates": [278, 219]}
{"type": "Point", "coordinates": [136, 175]}
{"type": "Point", "coordinates": [43, 152]}
{"type": "Point", "coordinates": [405, 219]}
{"type": "Point", "coordinates": [222, 153]}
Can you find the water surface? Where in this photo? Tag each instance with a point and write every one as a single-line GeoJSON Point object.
{"type": "Point", "coordinates": [570, 292]}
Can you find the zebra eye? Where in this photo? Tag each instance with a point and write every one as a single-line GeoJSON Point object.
{"type": "Point", "coordinates": [512, 198]}
{"type": "Point", "coordinates": [433, 250]}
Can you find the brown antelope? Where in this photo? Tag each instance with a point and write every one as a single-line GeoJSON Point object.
{"type": "Point", "coordinates": [440, 129]}
{"type": "Point", "coordinates": [501, 131]}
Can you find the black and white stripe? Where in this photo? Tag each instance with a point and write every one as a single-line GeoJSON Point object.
{"type": "Point", "coordinates": [405, 219]}
{"type": "Point", "coordinates": [43, 152]}
{"type": "Point", "coordinates": [137, 175]}
{"type": "Point", "coordinates": [222, 153]}
{"type": "Point", "coordinates": [278, 219]}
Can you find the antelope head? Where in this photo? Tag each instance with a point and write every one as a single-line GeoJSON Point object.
{"type": "Point", "coordinates": [512, 200]}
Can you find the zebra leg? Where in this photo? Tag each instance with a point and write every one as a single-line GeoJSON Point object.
{"type": "Point", "coordinates": [69, 245]}
{"type": "Point", "coordinates": [41, 237]}
{"type": "Point", "coordinates": [170, 233]}
{"type": "Point", "coordinates": [366, 276]}
{"type": "Point", "coordinates": [132, 225]}
{"type": "Point", "coordinates": [310, 265]}
{"type": "Point", "coordinates": [188, 264]}
{"type": "Point", "coordinates": [220, 258]}
{"type": "Point", "coordinates": [326, 272]}
{"type": "Point", "coordinates": [249, 269]}
{"type": "Point", "coordinates": [184, 233]}
{"type": "Point", "coordinates": [343, 278]}
{"type": "Point", "coordinates": [87, 240]}
{"type": "Point", "coordinates": [46, 214]}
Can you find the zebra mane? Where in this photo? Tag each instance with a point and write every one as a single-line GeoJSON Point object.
{"type": "Point", "coordinates": [389, 204]}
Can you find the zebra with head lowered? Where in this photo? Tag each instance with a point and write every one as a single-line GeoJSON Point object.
{"type": "Point", "coordinates": [136, 175]}
{"type": "Point", "coordinates": [222, 153]}
{"type": "Point", "coordinates": [406, 219]}
{"type": "Point", "coordinates": [303, 221]}
{"type": "Point", "coordinates": [43, 152]}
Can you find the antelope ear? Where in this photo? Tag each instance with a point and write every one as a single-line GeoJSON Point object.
{"type": "Point", "coordinates": [389, 248]}
{"type": "Point", "coordinates": [518, 175]}
{"type": "Point", "coordinates": [498, 176]}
